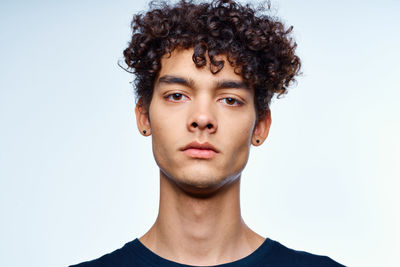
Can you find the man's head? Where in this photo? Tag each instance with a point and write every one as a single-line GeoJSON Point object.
{"type": "Point", "coordinates": [257, 45]}
{"type": "Point", "coordinates": [205, 75]}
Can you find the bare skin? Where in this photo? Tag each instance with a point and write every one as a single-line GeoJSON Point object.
{"type": "Point", "coordinates": [202, 127]}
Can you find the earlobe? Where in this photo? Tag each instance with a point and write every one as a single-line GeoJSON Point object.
{"type": "Point", "coordinates": [142, 118]}
{"type": "Point", "coordinates": [261, 129]}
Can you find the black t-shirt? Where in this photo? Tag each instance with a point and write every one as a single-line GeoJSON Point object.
{"type": "Point", "coordinates": [269, 254]}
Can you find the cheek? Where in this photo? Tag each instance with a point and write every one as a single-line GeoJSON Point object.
{"type": "Point", "coordinates": [238, 137]}
{"type": "Point", "coordinates": [161, 138]}
{"type": "Point", "coordinates": [243, 129]}
{"type": "Point", "coordinates": [165, 135]}
{"type": "Point", "coordinates": [162, 150]}
{"type": "Point", "coordinates": [157, 124]}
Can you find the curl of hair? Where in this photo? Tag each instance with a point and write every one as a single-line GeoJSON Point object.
{"type": "Point", "coordinates": [257, 45]}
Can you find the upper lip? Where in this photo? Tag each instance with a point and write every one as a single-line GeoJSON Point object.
{"type": "Point", "coordinates": [197, 145]}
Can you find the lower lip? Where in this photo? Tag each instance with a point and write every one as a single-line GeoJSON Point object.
{"type": "Point", "coordinates": [200, 153]}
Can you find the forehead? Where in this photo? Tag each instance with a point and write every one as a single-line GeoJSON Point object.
{"type": "Point", "coordinates": [180, 63]}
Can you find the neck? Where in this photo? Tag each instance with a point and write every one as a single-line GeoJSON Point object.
{"type": "Point", "coordinates": [200, 231]}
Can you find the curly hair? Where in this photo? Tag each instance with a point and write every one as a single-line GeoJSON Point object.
{"type": "Point", "coordinates": [257, 45]}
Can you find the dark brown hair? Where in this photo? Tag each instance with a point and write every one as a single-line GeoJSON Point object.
{"type": "Point", "coordinates": [256, 44]}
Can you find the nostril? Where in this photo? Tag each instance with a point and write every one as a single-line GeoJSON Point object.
{"type": "Point", "coordinates": [194, 124]}
{"type": "Point", "coordinates": [209, 126]}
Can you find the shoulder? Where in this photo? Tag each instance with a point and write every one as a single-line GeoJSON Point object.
{"type": "Point", "coordinates": [284, 256]}
{"type": "Point", "coordinates": [125, 256]}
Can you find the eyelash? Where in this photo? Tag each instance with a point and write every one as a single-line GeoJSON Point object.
{"type": "Point", "coordinates": [223, 100]}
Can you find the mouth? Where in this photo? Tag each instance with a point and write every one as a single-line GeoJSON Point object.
{"type": "Point", "coordinates": [200, 150]}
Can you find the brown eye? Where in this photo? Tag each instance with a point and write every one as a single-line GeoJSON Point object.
{"type": "Point", "coordinates": [176, 97]}
{"type": "Point", "coordinates": [231, 101]}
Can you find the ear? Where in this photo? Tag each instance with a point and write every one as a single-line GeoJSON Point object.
{"type": "Point", "coordinates": [142, 118]}
{"type": "Point", "coordinates": [261, 130]}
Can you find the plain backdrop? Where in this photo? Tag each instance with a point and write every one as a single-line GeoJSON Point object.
{"type": "Point", "coordinates": [77, 180]}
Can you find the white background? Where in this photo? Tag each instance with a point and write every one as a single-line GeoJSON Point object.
{"type": "Point", "coordinates": [78, 181]}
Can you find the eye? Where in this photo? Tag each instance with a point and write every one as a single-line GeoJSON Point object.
{"type": "Point", "coordinates": [230, 101]}
{"type": "Point", "coordinates": [176, 97]}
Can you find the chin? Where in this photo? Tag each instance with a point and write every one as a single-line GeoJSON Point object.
{"type": "Point", "coordinates": [203, 184]}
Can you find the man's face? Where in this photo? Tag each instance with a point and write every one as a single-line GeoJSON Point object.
{"type": "Point", "coordinates": [201, 123]}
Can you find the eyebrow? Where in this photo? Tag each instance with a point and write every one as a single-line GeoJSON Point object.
{"type": "Point", "coordinates": [231, 84]}
{"type": "Point", "coordinates": [168, 79]}
{"type": "Point", "coordinates": [224, 84]}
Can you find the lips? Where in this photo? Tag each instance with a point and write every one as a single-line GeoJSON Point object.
{"type": "Point", "coordinates": [200, 150]}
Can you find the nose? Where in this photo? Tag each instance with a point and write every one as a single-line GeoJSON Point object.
{"type": "Point", "coordinates": [202, 119]}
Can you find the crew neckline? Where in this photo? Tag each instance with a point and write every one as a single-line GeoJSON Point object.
{"type": "Point", "coordinates": [154, 259]}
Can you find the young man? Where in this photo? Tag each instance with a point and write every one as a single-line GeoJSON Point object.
{"type": "Point", "coordinates": [205, 75]}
